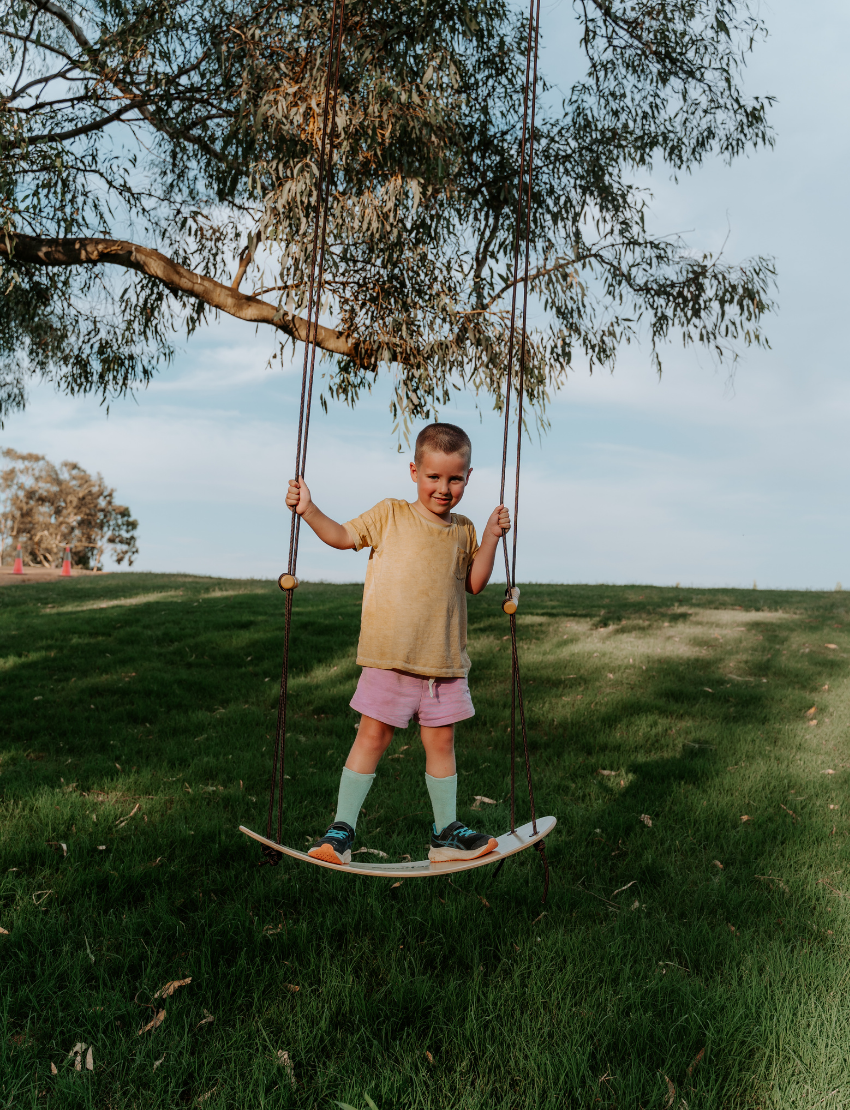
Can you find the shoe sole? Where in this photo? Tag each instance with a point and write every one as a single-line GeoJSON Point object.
{"type": "Point", "coordinates": [327, 854]}
{"type": "Point", "coordinates": [443, 855]}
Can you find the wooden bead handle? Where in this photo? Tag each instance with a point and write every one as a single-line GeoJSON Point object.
{"type": "Point", "coordinates": [511, 603]}
{"type": "Point", "coordinates": [288, 582]}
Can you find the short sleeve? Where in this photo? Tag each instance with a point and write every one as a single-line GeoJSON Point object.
{"type": "Point", "coordinates": [366, 530]}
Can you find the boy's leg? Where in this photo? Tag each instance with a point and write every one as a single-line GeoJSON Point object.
{"type": "Point", "coordinates": [358, 774]}
{"type": "Point", "coordinates": [451, 840]}
{"type": "Point", "coordinates": [441, 773]}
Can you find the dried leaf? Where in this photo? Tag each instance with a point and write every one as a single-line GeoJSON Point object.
{"type": "Point", "coordinates": [287, 1065]}
{"type": "Point", "coordinates": [292, 988]}
{"type": "Point", "coordinates": [647, 820]}
{"type": "Point", "coordinates": [89, 1060]}
{"type": "Point", "coordinates": [481, 798]}
{"type": "Point", "coordinates": [371, 852]}
{"type": "Point", "coordinates": [45, 893]}
{"type": "Point", "coordinates": [696, 1060]}
{"type": "Point", "coordinates": [122, 821]}
{"type": "Point", "coordinates": [153, 1023]}
{"type": "Point", "coordinates": [5, 932]}
{"type": "Point", "coordinates": [620, 890]}
{"type": "Point", "coordinates": [811, 712]}
{"type": "Point", "coordinates": [53, 1069]}
{"type": "Point", "coordinates": [601, 772]}
{"type": "Point", "coordinates": [746, 817]}
{"type": "Point", "coordinates": [791, 811]}
{"type": "Point", "coordinates": [206, 1095]}
{"type": "Point", "coordinates": [832, 647]}
{"type": "Point", "coordinates": [428, 1055]}
{"type": "Point", "coordinates": [671, 1094]}
{"type": "Point", "coordinates": [171, 987]}
{"type": "Point", "coordinates": [207, 1018]}
{"type": "Point", "coordinates": [828, 771]}
{"type": "Point", "coordinates": [396, 884]}
{"type": "Point", "coordinates": [156, 1063]}
{"type": "Point", "coordinates": [271, 930]}
{"type": "Point", "coordinates": [634, 904]}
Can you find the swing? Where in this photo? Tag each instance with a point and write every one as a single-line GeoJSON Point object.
{"type": "Point", "coordinates": [517, 839]}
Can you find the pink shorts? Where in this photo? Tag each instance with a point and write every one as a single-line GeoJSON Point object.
{"type": "Point", "coordinates": [394, 698]}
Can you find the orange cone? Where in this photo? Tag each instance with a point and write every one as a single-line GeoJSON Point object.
{"type": "Point", "coordinates": [19, 562]}
{"type": "Point", "coordinates": [66, 562]}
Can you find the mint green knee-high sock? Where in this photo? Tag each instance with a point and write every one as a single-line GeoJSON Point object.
{"type": "Point", "coordinates": [353, 788]}
{"type": "Point", "coordinates": [444, 799]}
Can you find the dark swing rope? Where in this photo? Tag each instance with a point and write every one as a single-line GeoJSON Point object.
{"type": "Point", "coordinates": [314, 298]}
{"type": "Point", "coordinates": [525, 186]}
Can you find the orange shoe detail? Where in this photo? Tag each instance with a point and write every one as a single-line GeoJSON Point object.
{"type": "Point", "coordinates": [325, 852]}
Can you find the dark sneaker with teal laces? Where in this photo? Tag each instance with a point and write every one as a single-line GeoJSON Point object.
{"type": "Point", "coordinates": [335, 845]}
{"type": "Point", "coordinates": [456, 841]}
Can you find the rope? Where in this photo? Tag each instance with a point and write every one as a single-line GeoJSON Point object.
{"type": "Point", "coordinates": [524, 194]}
{"type": "Point", "coordinates": [314, 300]}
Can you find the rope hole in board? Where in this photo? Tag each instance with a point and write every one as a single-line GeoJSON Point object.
{"type": "Point", "coordinates": [528, 835]}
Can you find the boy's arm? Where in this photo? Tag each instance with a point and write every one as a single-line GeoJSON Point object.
{"type": "Point", "coordinates": [482, 565]}
{"type": "Point", "coordinates": [333, 534]}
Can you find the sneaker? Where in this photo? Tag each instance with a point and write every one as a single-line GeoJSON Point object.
{"type": "Point", "coordinates": [335, 845]}
{"type": "Point", "coordinates": [456, 841]}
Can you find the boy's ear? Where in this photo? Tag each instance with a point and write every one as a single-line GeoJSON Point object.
{"type": "Point", "coordinates": [468, 473]}
{"type": "Point", "coordinates": [413, 471]}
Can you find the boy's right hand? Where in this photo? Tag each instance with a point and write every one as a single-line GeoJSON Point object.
{"type": "Point", "coordinates": [298, 496]}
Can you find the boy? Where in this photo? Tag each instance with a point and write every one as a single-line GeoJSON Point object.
{"type": "Point", "coordinates": [412, 644]}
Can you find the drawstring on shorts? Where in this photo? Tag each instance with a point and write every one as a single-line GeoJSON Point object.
{"type": "Point", "coordinates": [431, 682]}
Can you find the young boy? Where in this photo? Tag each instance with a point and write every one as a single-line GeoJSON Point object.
{"type": "Point", "coordinates": [412, 646]}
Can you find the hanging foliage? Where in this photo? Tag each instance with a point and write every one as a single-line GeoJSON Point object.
{"type": "Point", "coordinates": [158, 164]}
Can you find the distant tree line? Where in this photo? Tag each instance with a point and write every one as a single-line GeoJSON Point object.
{"type": "Point", "coordinates": [44, 507]}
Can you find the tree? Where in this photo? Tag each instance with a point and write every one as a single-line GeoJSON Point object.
{"type": "Point", "coordinates": [154, 155]}
{"type": "Point", "coordinates": [44, 508]}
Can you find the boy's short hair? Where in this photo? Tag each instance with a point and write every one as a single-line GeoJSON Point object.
{"type": "Point", "coordinates": [448, 439]}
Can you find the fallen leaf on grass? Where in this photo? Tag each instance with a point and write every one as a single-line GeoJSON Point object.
{"type": "Point", "coordinates": [709, 689]}
{"type": "Point", "coordinates": [732, 930]}
{"type": "Point", "coordinates": [831, 806]}
{"type": "Point", "coordinates": [207, 1018]}
{"type": "Point", "coordinates": [58, 844]}
{"type": "Point", "coordinates": [156, 1063]}
{"type": "Point", "coordinates": [396, 884]}
{"type": "Point", "coordinates": [287, 1065]}
{"type": "Point", "coordinates": [622, 888]}
{"type": "Point", "coordinates": [717, 863]}
{"type": "Point", "coordinates": [122, 821]}
{"type": "Point", "coordinates": [696, 1060]}
{"type": "Point", "coordinates": [271, 930]}
{"type": "Point", "coordinates": [746, 817]}
{"type": "Point", "coordinates": [671, 1094]}
{"type": "Point", "coordinates": [833, 647]}
{"type": "Point", "coordinates": [601, 772]}
{"type": "Point", "coordinates": [53, 1069]}
{"type": "Point", "coordinates": [647, 820]}
{"type": "Point", "coordinates": [634, 904]}
{"type": "Point", "coordinates": [101, 847]}
{"type": "Point", "coordinates": [154, 1023]}
{"type": "Point", "coordinates": [206, 1095]}
{"type": "Point", "coordinates": [292, 988]}
{"type": "Point", "coordinates": [5, 932]}
{"type": "Point", "coordinates": [45, 893]}
{"type": "Point", "coordinates": [171, 987]}
{"type": "Point", "coordinates": [371, 852]}
{"type": "Point", "coordinates": [428, 1055]}
{"type": "Point", "coordinates": [828, 771]}
{"type": "Point", "coordinates": [479, 798]}
{"type": "Point", "coordinates": [811, 712]}
{"type": "Point", "coordinates": [791, 811]}
{"type": "Point", "coordinates": [812, 723]}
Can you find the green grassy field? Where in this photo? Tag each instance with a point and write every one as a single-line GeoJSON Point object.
{"type": "Point", "coordinates": [699, 960]}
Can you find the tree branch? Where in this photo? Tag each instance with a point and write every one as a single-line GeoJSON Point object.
{"type": "Point", "coordinates": [34, 250]}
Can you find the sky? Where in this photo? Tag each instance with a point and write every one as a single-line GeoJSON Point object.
{"type": "Point", "coordinates": [702, 477]}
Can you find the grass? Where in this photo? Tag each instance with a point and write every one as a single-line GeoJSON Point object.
{"type": "Point", "coordinates": [700, 959]}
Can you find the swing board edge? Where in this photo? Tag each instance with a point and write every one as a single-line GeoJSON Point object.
{"type": "Point", "coordinates": [506, 845]}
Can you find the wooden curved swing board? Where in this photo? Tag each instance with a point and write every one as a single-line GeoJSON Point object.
{"type": "Point", "coordinates": [506, 845]}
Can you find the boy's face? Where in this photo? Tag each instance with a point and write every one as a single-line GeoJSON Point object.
{"type": "Point", "coordinates": [440, 480]}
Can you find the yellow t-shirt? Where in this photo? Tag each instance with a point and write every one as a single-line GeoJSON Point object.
{"type": "Point", "coordinates": [414, 598]}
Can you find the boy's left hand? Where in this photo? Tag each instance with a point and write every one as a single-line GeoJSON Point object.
{"type": "Point", "coordinates": [500, 520]}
